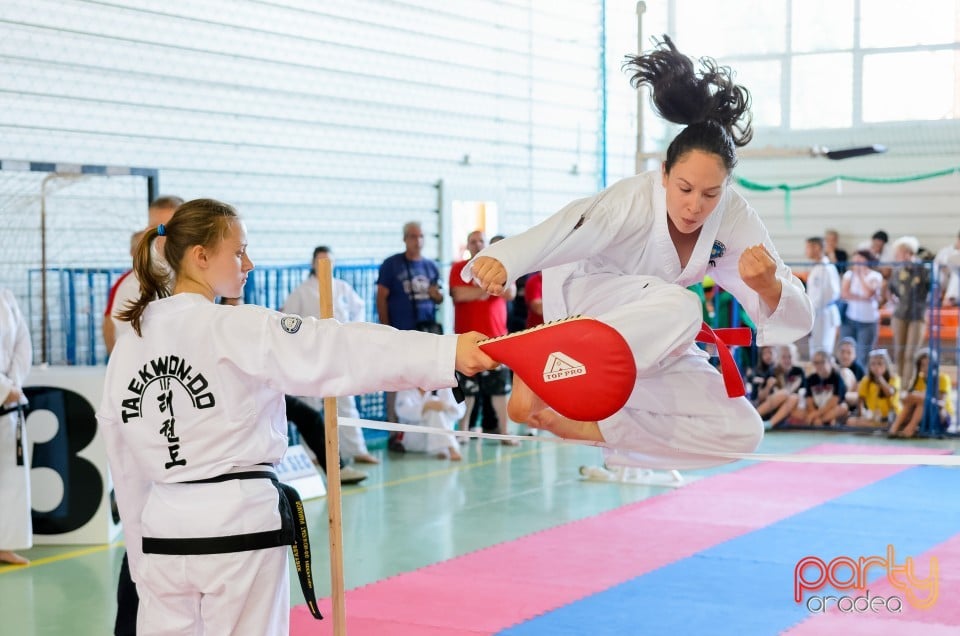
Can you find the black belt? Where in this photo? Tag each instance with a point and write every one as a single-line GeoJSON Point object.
{"type": "Point", "coordinates": [18, 409]}
{"type": "Point", "coordinates": [292, 532]}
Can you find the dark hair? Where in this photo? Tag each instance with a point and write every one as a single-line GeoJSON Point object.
{"type": "Point", "coordinates": [319, 249]}
{"type": "Point", "coordinates": [199, 222]}
{"type": "Point", "coordinates": [866, 255]}
{"type": "Point", "coordinates": [880, 234]}
{"type": "Point", "coordinates": [816, 240]}
{"type": "Point", "coordinates": [708, 103]}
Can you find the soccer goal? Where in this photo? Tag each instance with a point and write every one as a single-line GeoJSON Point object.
{"type": "Point", "coordinates": [65, 239]}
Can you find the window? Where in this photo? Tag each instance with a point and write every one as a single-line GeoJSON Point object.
{"type": "Point", "coordinates": [897, 86]}
{"type": "Point", "coordinates": [821, 93]}
{"type": "Point", "coordinates": [822, 25]}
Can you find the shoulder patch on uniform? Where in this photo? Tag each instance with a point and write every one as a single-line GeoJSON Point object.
{"type": "Point", "coordinates": [291, 324]}
{"type": "Point", "coordinates": [717, 251]}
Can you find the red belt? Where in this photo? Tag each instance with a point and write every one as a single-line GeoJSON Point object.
{"type": "Point", "coordinates": [724, 339]}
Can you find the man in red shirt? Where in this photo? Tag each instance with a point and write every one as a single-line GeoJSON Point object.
{"type": "Point", "coordinates": [475, 310]}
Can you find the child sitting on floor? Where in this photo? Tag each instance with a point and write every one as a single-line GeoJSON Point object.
{"type": "Point", "coordinates": [908, 421]}
{"type": "Point", "coordinates": [780, 394]}
{"type": "Point", "coordinates": [825, 394]}
{"type": "Point", "coordinates": [436, 409]}
{"type": "Point", "coordinates": [878, 393]}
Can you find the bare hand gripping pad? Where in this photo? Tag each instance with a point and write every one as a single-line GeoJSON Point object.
{"type": "Point", "coordinates": [581, 367]}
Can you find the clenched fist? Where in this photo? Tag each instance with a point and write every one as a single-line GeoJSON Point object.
{"type": "Point", "coordinates": [490, 275]}
{"type": "Point", "coordinates": [759, 271]}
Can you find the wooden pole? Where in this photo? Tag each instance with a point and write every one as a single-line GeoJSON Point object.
{"type": "Point", "coordinates": [325, 278]}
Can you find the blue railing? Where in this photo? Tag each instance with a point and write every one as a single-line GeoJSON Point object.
{"type": "Point", "coordinates": [77, 299]}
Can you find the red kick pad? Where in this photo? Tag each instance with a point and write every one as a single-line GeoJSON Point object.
{"type": "Point", "coordinates": [581, 367]}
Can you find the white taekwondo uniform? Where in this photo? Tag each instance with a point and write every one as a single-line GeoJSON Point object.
{"type": "Point", "coordinates": [410, 411]}
{"type": "Point", "coordinates": [201, 395]}
{"type": "Point", "coordinates": [347, 307]}
{"type": "Point", "coordinates": [16, 356]}
{"type": "Point", "coordinates": [823, 288]}
{"type": "Point", "coordinates": [610, 256]}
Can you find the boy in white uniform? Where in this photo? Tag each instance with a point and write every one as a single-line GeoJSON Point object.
{"type": "Point", "coordinates": [347, 307]}
{"type": "Point", "coordinates": [625, 256]}
{"type": "Point", "coordinates": [16, 356]}
{"type": "Point", "coordinates": [436, 409]}
{"type": "Point", "coordinates": [823, 288]}
{"type": "Point", "coordinates": [193, 418]}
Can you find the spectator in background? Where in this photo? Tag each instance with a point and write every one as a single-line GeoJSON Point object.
{"type": "Point", "coordinates": [476, 310]}
{"type": "Point", "coordinates": [826, 393]}
{"type": "Point", "coordinates": [780, 395]}
{"type": "Point", "coordinates": [951, 295]}
{"type": "Point", "coordinates": [534, 290]}
{"type": "Point", "coordinates": [823, 288]}
{"type": "Point", "coordinates": [16, 356]}
{"type": "Point", "coordinates": [108, 327]}
{"type": "Point", "coordinates": [347, 307]}
{"type": "Point", "coordinates": [914, 401]}
{"type": "Point", "coordinates": [436, 409]}
{"type": "Point", "coordinates": [128, 291]}
{"type": "Point", "coordinates": [849, 369]}
{"type": "Point", "coordinates": [948, 263]}
{"type": "Point", "coordinates": [831, 249]}
{"type": "Point", "coordinates": [861, 288]}
{"type": "Point", "coordinates": [878, 393]}
{"type": "Point", "coordinates": [881, 252]}
{"type": "Point", "coordinates": [756, 375]}
{"type": "Point", "coordinates": [847, 358]}
{"type": "Point", "coordinates": [408, 292]}
{"type": "Point", "coordinates": [910, 285]}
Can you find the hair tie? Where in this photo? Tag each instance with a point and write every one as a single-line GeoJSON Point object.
{"type": "Point", "coordinates": [161, 230]}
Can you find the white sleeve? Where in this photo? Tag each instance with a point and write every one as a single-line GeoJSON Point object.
{"type": "Point", "coordinates": [309, 356]}
{"type": "Point", "coordinates": [833, 279]}
{"type": "Point", "coordinates": [581, 229]}
{"type": "Point", "coordinates": [131, 489]}
{"type": "Point", "coordinates": [22, 355]}
{"type": "Point", "coordinates": [953, 287]}
{"type": "Point", "coordinates": [793, 317]}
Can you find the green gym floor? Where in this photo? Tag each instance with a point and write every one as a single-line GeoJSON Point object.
{"type": "Point", "coordinates": [412, 511]}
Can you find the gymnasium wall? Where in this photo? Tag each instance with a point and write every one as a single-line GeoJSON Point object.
{"type": "Point", "coordinates": [333, 121]}
{"type": "Point", "coordinates": [322, 121]}
{"type": "Point", "coordinates": [928, 208]}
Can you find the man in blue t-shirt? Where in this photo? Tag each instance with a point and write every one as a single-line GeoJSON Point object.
{"type": "Point", "coordinates": [408, 290]}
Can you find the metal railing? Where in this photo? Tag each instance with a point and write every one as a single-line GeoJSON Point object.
{"type": "Point", "coordinates": [77, 298]}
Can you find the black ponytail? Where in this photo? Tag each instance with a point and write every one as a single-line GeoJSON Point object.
{"type": "Point", "coordinates": [715, 111]}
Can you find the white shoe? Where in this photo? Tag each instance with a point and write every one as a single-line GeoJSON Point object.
{"type": "Point", "coordinates": [350, 476]}
{"type": "Point", "coordinates": [597, 473]}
